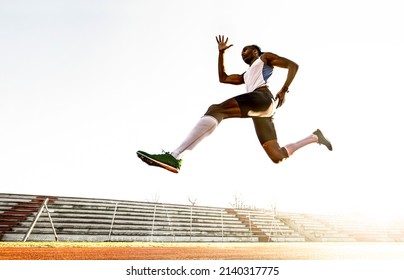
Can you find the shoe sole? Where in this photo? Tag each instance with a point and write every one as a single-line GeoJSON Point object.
{"type": "Point", "coordinates": [323, 141]}
{"type": "Point", "coordinates": [153, 162]}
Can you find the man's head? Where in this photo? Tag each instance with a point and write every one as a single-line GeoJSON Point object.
{"type": "Point", "coordinates": [251, 53]}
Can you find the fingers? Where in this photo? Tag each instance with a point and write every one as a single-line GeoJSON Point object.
{"type": "Point", "coordinates": [220, 39]}
{"type": "Point", "coordinates": [281, 100]}
{"type": "Point", "coordinates": [222, 43]}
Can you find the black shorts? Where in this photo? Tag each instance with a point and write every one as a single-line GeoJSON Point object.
{"type": "Point", "coordinates": [260, 106]}
{"type": "Point", "coordinates": [259, 103]}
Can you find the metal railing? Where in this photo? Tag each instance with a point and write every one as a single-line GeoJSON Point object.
{"type": "Point", "coordinates": [44, 207]}
{"type": "Point", "coordinates": [112, 222]}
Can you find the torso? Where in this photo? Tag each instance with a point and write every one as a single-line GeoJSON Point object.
{"type": "Point", "coordinates": [257, 75]}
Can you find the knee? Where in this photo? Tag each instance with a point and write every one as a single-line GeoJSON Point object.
{"type": "Point", "coordinates": [213, 109]}
{"type": "Point", "coordinates": [277, 159]}
{"type": "Point", "coordinates": [274, 152]}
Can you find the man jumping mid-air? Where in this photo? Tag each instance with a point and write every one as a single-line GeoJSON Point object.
{"type": "Point", "coordinates": [258, 104]}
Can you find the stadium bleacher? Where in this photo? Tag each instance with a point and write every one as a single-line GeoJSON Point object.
{"type": "Point", "coordinates": [45, 218]}
{"type": "Point", "coordinates": [83, 219]}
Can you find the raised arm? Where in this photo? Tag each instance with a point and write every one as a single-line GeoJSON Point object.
{"type": "Point", "coordinates": [234, 79]}
{"type": "Point", "coordinates": [278, 61]}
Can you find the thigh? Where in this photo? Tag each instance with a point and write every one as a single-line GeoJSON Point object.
{"type": "Point", "coordinates": [224, 110]}
{"type": "Point", "coordinates": [258, 103]}
{"type": "Point", "coordinates": [265, 129]}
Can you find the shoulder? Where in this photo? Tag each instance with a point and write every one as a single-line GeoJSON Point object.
{"type": "Point", "coordinates": [268, 57]}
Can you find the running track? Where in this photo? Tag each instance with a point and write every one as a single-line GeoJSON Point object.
{"type": "Point", "coordinates": [209, 251]}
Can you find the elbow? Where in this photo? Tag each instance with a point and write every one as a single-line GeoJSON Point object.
{"type": "Point", "coordinates": [222, 78]}
{"type": "Point", "coordinates": [295, 66]}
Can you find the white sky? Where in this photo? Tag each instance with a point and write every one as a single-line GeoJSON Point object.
{"type": "Point", "coordinates": [85, 84]}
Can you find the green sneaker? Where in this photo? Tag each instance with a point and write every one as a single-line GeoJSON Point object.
{"type": "Point", "coordinates": [166, 161]}
{"type": "Point", "coordinates": [322, 140]}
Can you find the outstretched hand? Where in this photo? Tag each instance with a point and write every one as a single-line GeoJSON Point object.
{"type": "Point", "coordinates": [222, 43]}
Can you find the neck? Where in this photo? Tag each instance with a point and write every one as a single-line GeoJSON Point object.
{"type": "Point", "coordinates": [253, 60]}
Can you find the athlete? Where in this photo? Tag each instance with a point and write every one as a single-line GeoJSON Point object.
{"type": "Point", "coordinates": [258, 104]}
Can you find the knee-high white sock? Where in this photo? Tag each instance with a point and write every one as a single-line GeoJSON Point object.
{"type": "Point", "coordinates": [205, 126]}
{"type": "Point", "coordinates": [293, 147]}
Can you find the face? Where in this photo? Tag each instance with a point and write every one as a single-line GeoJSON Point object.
{"type": "Point", "coordinates": [249, 54]}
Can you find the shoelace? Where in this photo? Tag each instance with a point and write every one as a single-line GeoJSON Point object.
{"type": "Point", "coordinates": [165, 152]}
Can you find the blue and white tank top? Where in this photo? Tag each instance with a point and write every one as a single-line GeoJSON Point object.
{"type": "Point", "coordinates": [257, 75]}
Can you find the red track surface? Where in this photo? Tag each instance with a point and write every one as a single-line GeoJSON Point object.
{"type": "Point", "coordinates": [226, 251]}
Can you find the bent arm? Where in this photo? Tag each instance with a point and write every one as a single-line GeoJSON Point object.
{"type": "Point", "coordinates": [234, 79]}
{"type": "Point", "coordinates": [278, 61]}
{"type": "Point", "coordinates": [282, 62]}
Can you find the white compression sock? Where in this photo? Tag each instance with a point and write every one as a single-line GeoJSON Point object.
{"type": "Point", "coordinates": [205, 126]}
{"type": "Point", "coordinates": [291, 148]}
